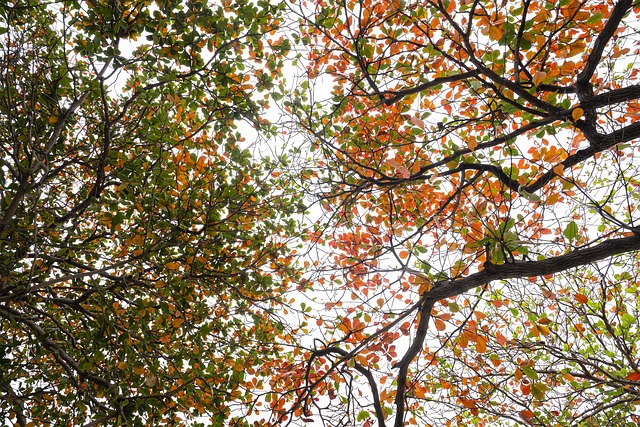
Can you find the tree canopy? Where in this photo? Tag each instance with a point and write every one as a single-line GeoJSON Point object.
{"type": "Point", "coordinates": [143, 245]}
{"type": "Point", "coordinates": [452, 239]}
{"type": "Point", "coordinates": [480, 175]}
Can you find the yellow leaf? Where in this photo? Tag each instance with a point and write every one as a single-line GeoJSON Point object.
{"type": "Point", "coordinates": [544, 330]}
{"type": "Point", "coordinates": [577, 113]}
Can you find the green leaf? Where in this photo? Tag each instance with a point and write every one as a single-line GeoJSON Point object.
{"type": "Point", "coordinates": [593, 19]}
{"type": "Point", "coordinates": [571, 230]}
{"type": "Point", "coordinates": [529, 196]}
{"type": "Point", "coordinates": [538, 390]}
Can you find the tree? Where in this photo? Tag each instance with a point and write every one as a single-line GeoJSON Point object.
{"type": "Point", "coordinates": [143, 247]}
{"type": "Point", "coordinates": [478, 164]}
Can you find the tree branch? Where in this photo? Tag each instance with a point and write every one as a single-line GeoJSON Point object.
{"type": "Point", "coordinates": [608, 31]}
{"type": "Point", "coordinates": [523, 269]}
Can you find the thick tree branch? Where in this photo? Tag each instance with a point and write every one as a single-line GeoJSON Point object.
{"type": "Point", "coordinates": [524, 269]}
{"type": "Point", "coordinates": [619, 11]}
{"type": "Point", "coordinates": [584, 88]}
{"type": "Point", "coordinates": [410, 355]}
{"type": "Point", "coordinates": [521, 269]}
{"type": "Point", "coordinates": [613, 97]}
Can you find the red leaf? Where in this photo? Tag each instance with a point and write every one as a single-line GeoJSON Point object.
{"type": "Point", "coordinates": [633, 376]}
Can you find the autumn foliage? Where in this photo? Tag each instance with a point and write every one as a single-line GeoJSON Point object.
{"type": "Point", "coordinates": [372, 213]}
{"type": "Point", "coordinates": [479, 170]}
{"type": "Point", "coordinates": [142, 245]}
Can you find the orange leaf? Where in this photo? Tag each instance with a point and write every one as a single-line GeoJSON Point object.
{"type": "Point", "coordinates": [495, 32]}
{"type": "Point", "coordinates": [467, 403]}
{"type": "Point", "coordinates": [535, 331]}
{"type": "Point", "coordinates": [583, 299]}
{"type": "Point", "coordinates": [420, 392]}
{"type": "Point", "coordinates": [463, 341]}
{"type": "Point", "coordinates": [172, 265]}
{"type": "Point", "coordinates": [481, 344]}
{"type": "Point", "coordinates": [527, 414]}
{"type": "Point", "coordinates": [552, 199]}
{"type": "Point", "coordinates": [440, 325]}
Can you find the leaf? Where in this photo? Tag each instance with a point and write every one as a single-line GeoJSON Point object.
{"type": "Point", "coordinates": [151, 381]}
{"type": "Point", "coordinates": [417, 121]}
{"type": "Point", "coordinates": [633, 376]}
{"type": "Point", "coordinates": [581, 298]}
{"type": "Point", "coordinates": [545, 331]}
{"type": "Point", "coordinates": [529, 196]}
{"type": "Point", "coordinates": [538, 77]}
{"type": "Point", "coordinates": [481, 344]}
{"type": "Point", "coordinates": [463, 341]}
{"type": "Point", "coordinates": [467, 403]}
{"type": "Point", "coordinates": [577, 113]}
{"type": "Point", "coordinates": [527, 414]}
{"type": "Point", "coordinates": [538, 390]}
{"type": "Point", "coordinates": [420, 392]}
{"type": "Point", "coordinates": [571, 231]}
